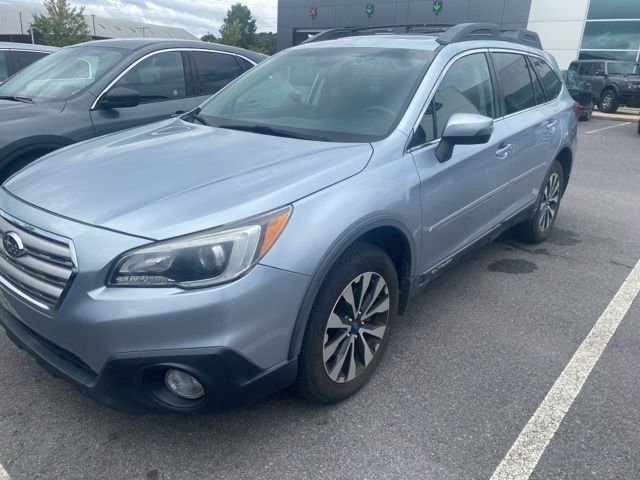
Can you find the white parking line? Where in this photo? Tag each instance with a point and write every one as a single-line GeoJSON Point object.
{"type": "Point", "coordinates": [607, 128]}
{"type": "Point", "coordinates": [3, 473]}
{"type": "Point", "coordinates": [525, 453]}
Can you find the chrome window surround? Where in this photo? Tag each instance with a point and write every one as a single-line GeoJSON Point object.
{"type": "Point", "coordinates": [446, 69]}
{"type": "Point", "coordinates": [151, 54]}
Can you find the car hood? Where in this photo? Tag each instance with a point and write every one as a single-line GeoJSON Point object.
{"type": "Point", "coordinates": [174, 177]}
{"type": "Point", "coordinates": [10, 110]}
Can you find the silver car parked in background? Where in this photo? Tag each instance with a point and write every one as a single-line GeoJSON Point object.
{"type": "Point", "coordinates": [273, 235]}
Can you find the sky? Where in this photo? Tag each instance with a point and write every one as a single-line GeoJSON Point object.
{"type": "Point", "coordinates": [197, 16]}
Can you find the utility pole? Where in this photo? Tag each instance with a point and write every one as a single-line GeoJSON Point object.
{"type": "Point", "coordinates": [143, 29]}
{"type": "Point", "coordinates": [93, 18]}
{"type": "Point", "coordinates": [33, 40]}
{"type": "Point", "coordinates": [21, 27]}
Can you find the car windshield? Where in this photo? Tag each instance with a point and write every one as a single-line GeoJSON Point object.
{"type": "Point", "coordinates": [624, 68]}
{"type": "Point", "coordinates": [342, 94]}
{"type": "Point", "coordinates": [63, 74]}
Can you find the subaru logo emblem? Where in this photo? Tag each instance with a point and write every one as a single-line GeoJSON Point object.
{"type": "Point", "coordinates": [13, 244]}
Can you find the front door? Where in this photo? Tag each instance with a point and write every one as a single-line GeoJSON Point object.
{"type": "Point", "coordinates": [463, 198]}
{"type": "Point", "coordinates": [162, 85]}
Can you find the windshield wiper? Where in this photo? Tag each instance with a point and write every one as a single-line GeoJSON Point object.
{"type": "Point", "coordinates": [195, 115]}
{"type": "Point", "coordinates": [14, 98]}
{"type": "Point", "coordinates": [266, 130]}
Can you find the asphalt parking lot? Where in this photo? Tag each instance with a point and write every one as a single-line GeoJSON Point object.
{"type": "Point", "coordinates": [467, 368]}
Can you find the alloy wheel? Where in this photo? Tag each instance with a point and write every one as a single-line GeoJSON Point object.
{"type": "Point", "coordinates": [356, 327]}
{"type": "Point", "coordinates": [549, 202]}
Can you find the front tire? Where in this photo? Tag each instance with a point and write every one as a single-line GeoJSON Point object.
{"type": "Point", "coordinates": [609, 102]}
{"type": "Point", "coordinates": [349, 325]}
{"type": "Point", "coordinates": [537, 229]}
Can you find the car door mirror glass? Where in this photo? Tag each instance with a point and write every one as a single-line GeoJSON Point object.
{"type": "Point", "coordinates": [120, 97]}
{"type": "Point", "coordinates": [464, 129]}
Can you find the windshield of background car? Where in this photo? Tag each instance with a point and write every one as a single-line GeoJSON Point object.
{"type": "Point", "coordinates": [574, 80]}
{"type": "Point", "coordinates": [63, 74]}
{"type": "Point", "coordinates": [343, 94]}
{"type": "Point", "coordinates": [623, 68]}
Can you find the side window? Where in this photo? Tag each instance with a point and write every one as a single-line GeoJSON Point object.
{"type": "Point", "coordinates": [537, 87]}
{"type": "Point", "coordinates": [244, 63]}
{"type": "Point", "coordinates": [599, 69]}
{"type": "Point", "coordinates": [4, 70]}
{"type": "Point", "coordinates": [214, 71]}
{"type": "Point", "coordinates": [552, 84]}
{"type": "Point", "coordinates": [515, 81]}
{"type": "Point", "coordinates": [158, 77]}
{"type": "Point", "coordinates": [24, 59]}
{"type": "Point", "coordinates": [465, 88]}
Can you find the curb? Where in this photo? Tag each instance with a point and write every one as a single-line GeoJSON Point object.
{"type": "Point", "coordinates": [617, 117]}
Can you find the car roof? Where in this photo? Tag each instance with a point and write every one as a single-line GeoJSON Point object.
{"type": "Point", "coordinates": [412, 42]}
{"type": "Point", "coordinates": [26, 46]}
{"type": "Point", "coordinates": [151, 44]}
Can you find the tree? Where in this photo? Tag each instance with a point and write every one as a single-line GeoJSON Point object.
{"type": "Point", "coordinates": [238, 27]}
{"type": "Point", "coordinates": [62, 25]}
{"type": "Point", "coordinates": [265, 43]}
{"type": "Point", "coordinates": [209, 37]}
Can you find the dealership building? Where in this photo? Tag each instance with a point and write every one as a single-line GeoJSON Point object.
{"type": "Point", "coordinates": [569, 29]}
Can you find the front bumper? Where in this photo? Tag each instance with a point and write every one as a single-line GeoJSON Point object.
{"type": "Point", "coordinates": [129, 382]}
{"type": "Point", "coordinates": [106, 341]}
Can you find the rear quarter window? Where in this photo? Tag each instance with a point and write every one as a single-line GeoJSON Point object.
{"type": "Point", "coordinates": [550, 80]}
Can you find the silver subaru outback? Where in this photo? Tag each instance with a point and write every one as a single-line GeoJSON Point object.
{"type": "Point", "coordinates": [274, 235]}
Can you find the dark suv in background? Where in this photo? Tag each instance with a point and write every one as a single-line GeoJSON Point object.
{"type": "Point", "coordinates": [614, 83]}
{"type": "Point", "coordinates": [16, 56]}
{"type": "Point", "coordinates": [105, 86]}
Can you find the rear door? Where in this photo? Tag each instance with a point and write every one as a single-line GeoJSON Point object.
{"type": "Point", "coordinates": [211, 71]}
{"type": "Point", "coordinates": [533, 129]}
{"type": "Point", "coordinates": [161, 81]}
{"type": "Point", "coordinates": [465, 197]}
{"type": "Point", "coordinates": [593, 72]}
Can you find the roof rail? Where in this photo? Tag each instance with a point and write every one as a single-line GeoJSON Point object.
{"type": "Point", "coordinates": [446, 34]}
{"type": "Point", "coordinates": [335, 33]}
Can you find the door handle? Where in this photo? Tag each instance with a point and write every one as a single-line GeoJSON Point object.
{"type": "Point", "coordinates": [178, 113]}
{"type": "Point", "coordinates": [503, 151]}
{"type": "Point", "coordinates": [551, 124]}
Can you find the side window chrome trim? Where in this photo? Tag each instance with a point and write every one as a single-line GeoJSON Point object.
{"type": "Point", "coordinates": [520, 52]}
{"type": "Point", "coordinates": [432, 93]}
{"type": "Point", "coordinates": [151, 54]}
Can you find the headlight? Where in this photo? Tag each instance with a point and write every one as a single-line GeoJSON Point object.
{"type": "Point", "coordinates": [633, 85]}
{"type": "Point", "coordinates": [202, 259]}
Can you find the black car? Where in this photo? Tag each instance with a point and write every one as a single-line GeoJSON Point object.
{"type": "Point", "coordinates": [615, 83]}
{"type": "Point", "coordinates": [581, 92]}
{"type": "Point", "coordinates": [16, 56]}
{"type": "Point", "coordinates": [105, 86]}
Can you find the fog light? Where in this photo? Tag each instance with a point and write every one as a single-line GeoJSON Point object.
{"type": "Point", "coordinates": [183, 385]}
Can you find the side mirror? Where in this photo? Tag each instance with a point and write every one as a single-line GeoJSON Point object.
{"type": "Point", "coordinates": [463, 129]}
{"type": "Point", "coordinates": [588, 85]}
{"type": "Point", "coordinates": [599, 72]}
{"type": "Point", "coordinates": [120, 97]}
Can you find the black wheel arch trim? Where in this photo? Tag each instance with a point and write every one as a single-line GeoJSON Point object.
{"type": "Point", "coordinates": [332, 254]}
{"type": "Point", "coordinates": [28, 145]}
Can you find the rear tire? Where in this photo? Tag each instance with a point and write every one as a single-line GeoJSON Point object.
{"type": "Point", "coordinates": [354, 310]}
{"type": "Point", "coordinates": [609, 102]}
{"type": "Point", "coordinates": [537, 229]}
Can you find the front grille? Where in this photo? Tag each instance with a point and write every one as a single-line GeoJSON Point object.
{"type": "Point", "coordinates": [44, 268]}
